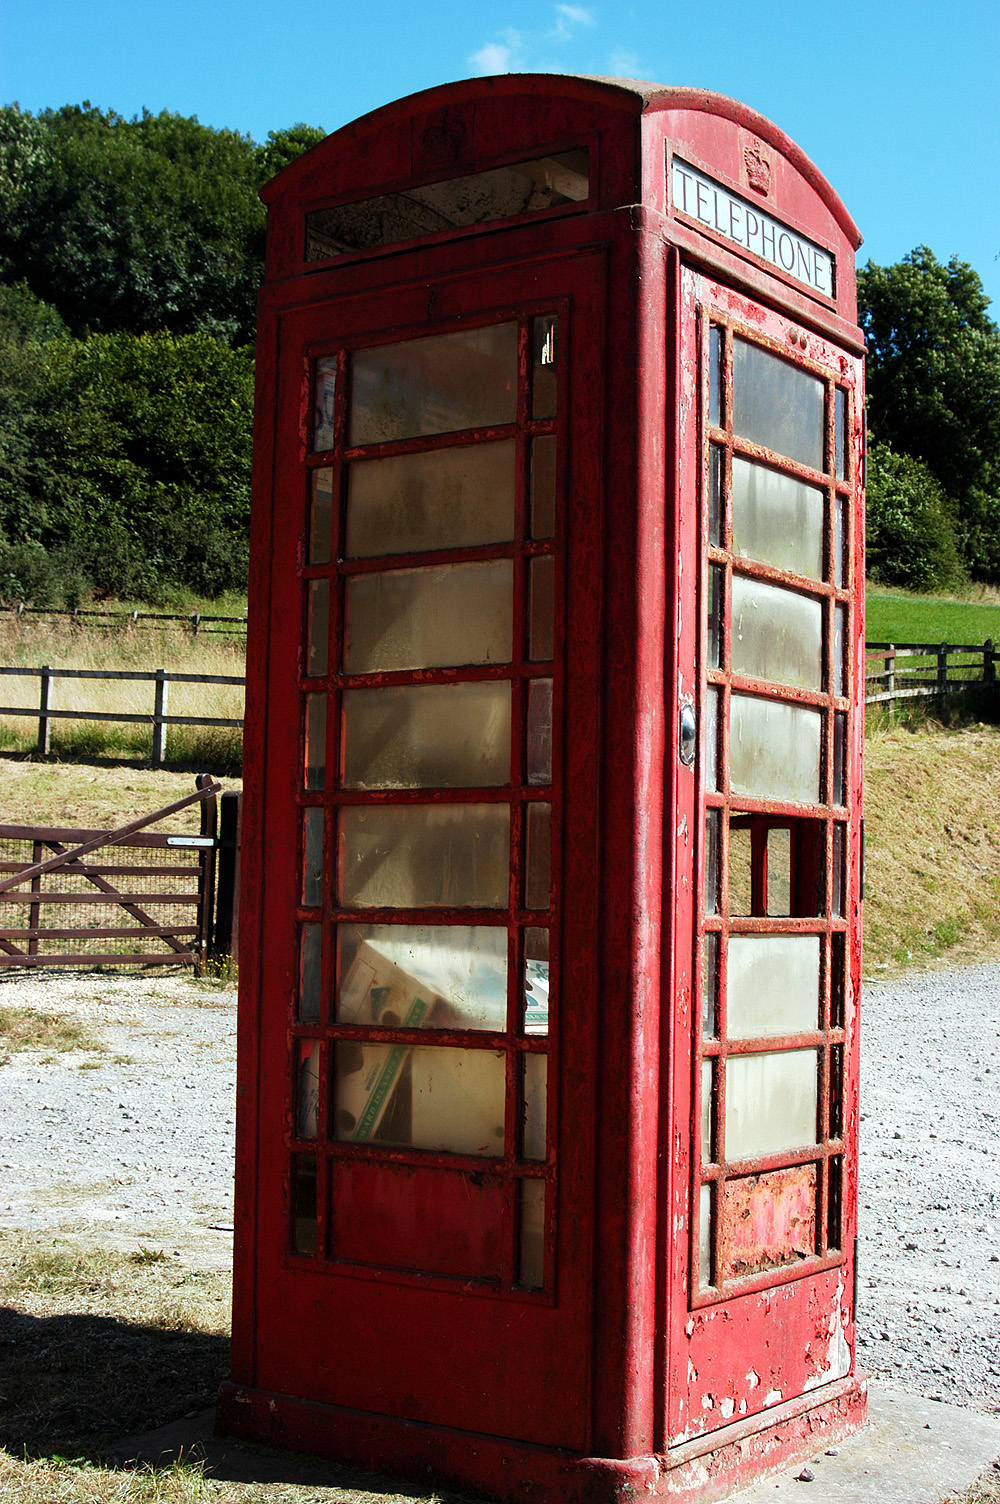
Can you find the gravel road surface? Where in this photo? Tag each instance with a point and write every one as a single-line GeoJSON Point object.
{"type": "Point", "coordinates": [134, 1143]}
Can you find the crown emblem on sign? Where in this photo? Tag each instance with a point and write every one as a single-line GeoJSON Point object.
{"type": "Point", "coordinates": [758, 169]}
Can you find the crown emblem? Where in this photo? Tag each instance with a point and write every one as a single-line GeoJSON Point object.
{"type": "Point", "coordinates": [758, 169]}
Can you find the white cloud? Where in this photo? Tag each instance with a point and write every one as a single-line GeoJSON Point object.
{"type": "Point", "coordinates": [567, 17]}
{"type": "Point", "coordinates": [503, 56]}
{"type": "Point", "coordinates": [623, 64]}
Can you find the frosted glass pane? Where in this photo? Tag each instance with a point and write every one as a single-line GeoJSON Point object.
{"type": "Point", "coordinates": [315, 769]}
{"type": "Point", "coordinates": [318, 628]}
{"type": "Point", "coordinates": [770, 1103]}
{"type": "Point", "coordinates": [307, 1104]}
{"type": "Point", "coordinates": [535, 1069]}
{"type": "Point", "coordinates": [310, 973]}
{"type": "Point", "coordinates": [776, 519]}
{"type": "Point", "coordinates": [774, 750]}
{"type": "Point", "coordinates": [716, 500]}
{"type": "Point", "coordinates": [423, 976]}
{"type": "Point", "coordinates": [840, 542]}
{"type": "Point", "coordinates": [429, 618]}
{"type": "Point", "coordinates": [777, 404]}
{"type": "Point", "coordinates": [840, 427]}
{"type": "Point", "coordinates": [543, 386]}
{"type": "Point", "coordinates": [444, 498]}
{"type": "Point", "coordinates": [531, 1238]}
{"type": "Point", "coordinates": [543, 486]}
{"type": "Point", "coordinates": [539, 732]}
{"type": "Point", "coordinates": [541, 611]}
{"type": "Point", "coordinates": [705, 1236]}
{"type": "Point", "coordinates": [710, 754]}
{"type": "Point", "coordinates": [715, 350]}
{"type": "Point", "coordinates": [776, 634]}
{"type": "Point", "coordinates": [425, 856]}
{"type": "Point", "coordinates": [427, 736]}
{"type": "Point", "coordinates": [538, 863]}
{"type": "Point", "coordinates": [456, 1097]}
{"type": "Point", "coordinates": [321, 516]}
{"type": "Point", "coordinates": [773, 985]}
{"type": "Point", "coordinates": [706, 1112]}
{"type": "Point", "coordinates": [839, 646]}
{"type": "Point", "coordinates": [709, 986]}
{"type": "Point", "coordinates": [324, 390]}
{"type": "Point", "coordinates": [716, 589]}
{"type": "Point", "coordinates": [438, 384]}
{"type": "Point", "coordinates": [312, 857]}
{"type": "Point", "coordinates": [839, 755]}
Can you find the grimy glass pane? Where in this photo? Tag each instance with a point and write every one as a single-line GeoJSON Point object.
{"type": "Point", "coordinates": [439, 384]}
{"type": "Point", "coordinates": [455, 1097]}
{"type": "Point", "coordinates": [705, 1237]}
{"type": "Point", "coordinates": [772, 985]}
{"type": "Point", "coordinates": [774, 750]}
{"type": "Point", "coordinates": [543, 486]}
{"type": "Point", "coordinates": [776, 519]}
{"type": "Point", "coordinates": [315, 769]}
{"type": "Point", "coordinates": [840, 426]}
{"type": "Point", "coordinates": [777, 404]}
{"type": "Point", "coordinates": [304, 1203]}
{"type": "Point", "coordinates": [716, 500]}
{"type": "Point", "coordinates": [475, 199]}
{"type": "Point", "coordinates": [740, 870]}
{"type": "Point", "coordinates": [429, 618]}
{"type": "Point", "coordinates": [716, 590]}
{"type": "Point", "coordinates": [443, 498]}
{"type": "Point", "coordinates": [837, 900]}
{"type": "Point", "coordinates": [321, 516]}
{"type": "Point", "coordinates": [709, 986]}
{"type": "Point", "coordinates": [541, 609]}
{"type": "Point", "coordinates": [535, 1071]}
{"type": "Point", "coordinates": [538, 861]}
{"type": "Point", "coordinates": [713, 819]}
{"type": "Point", "coordinates": [840, 541]}
{"type": "Point", "coordinates": [543, 382]}
{"type": "Point", "coordinates": [406, 736]}
{"type": "Point", "coordinates": [531, 1235]}
{"type": "Point", "coordinates": [307, 1093]}
{"type": "Point", "coordinates": [310, 973]}
{"type": "Point", "coordinates": [839, 756]}
{"type": "Point", "coordinates": [839, 649]}
{"type": "Point", "coordinates": [776, 634]}
{"type": "Point", "coordinates": [538, 732]}
{"type": "Point", "coordinates": [318, 628]}
{"type": "Point", "coordinates": [312, 857]}
{"type": "Point", "coordinates": [425, 856]}
{"type": "Point", "coordinates": [426, 976]}
{"type": "Point", "coordinates": [779, 872]}
{"type": "Point", "coordinates": [770, 1103]}
{"type": "Point", "coordinates": [536, 981]}
{"type": "Point", "coordinates": [323, 398]}
{"type": "Point", "coordinates": [707, 1115]}
{"type": "Point", "coordinates": [710, 752]}
{"type": "Point", "coordinates": [715, 348]}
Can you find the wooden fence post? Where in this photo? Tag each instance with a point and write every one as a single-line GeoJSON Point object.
{"type": "Point", "coordinates": [890, 675]}
{"type": "Point", "coordinates": [989, 662]}
{"type": "Point", "coordinates": [44, 690]}
{"type": "Point", "coordinates": [159, 711]}
{"type": "Point", "coordinates": [942, 674]}
{"type": "Point", "coordinates": [226, 938]}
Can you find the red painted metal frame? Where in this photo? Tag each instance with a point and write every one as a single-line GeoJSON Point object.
{"type": "Point", "coordinates": [574, 1392]}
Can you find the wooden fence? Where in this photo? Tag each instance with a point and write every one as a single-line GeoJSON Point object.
{"type": "Point", "coordinates": [159, 718]}
{"type": "Point", "coordinates": [918, 670]}
{"type": "Point", "coordinates": [194, 621]}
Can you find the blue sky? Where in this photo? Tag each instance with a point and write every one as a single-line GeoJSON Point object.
{"type": "Point", "coordinates": [896, 105]}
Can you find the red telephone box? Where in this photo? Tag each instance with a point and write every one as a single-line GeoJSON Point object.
{"type": "Point", "coordinates": [550, 941]}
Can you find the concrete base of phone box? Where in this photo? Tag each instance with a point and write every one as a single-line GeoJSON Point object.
{"type": "Point", "coordinates": [707, 1469]}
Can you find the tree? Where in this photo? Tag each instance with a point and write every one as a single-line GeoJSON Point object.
{"type": "Point", "coordinates": [934, 387]}
{"type": "Point", "coordinates": [911, 540]}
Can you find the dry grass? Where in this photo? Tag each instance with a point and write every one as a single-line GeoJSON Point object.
{"type": "Point", "coordinates": [88, 798]}
{"type": "Point", "coordinates": [932, 800]}
{"type": "Point", "coordinates": [985, 1490]}
{"type": "Point", "coordinates": [31, 642]}
{"type": "Point", "coordinates": [25, 1029]}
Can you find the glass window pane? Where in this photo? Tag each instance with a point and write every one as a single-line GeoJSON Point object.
{"type": "Point", "coordinates": [537, 877]}
{"type": "Point", "coordinates": [838, 870]}
{"type": "Point", "coordinates": [425, 856]}
{"type": "Point", "coordinates": [454, 1099]}
{"type": "Point", "coordinates": [531, 1235]}
{"type": "Point", "coordinates": [707, 1114]}
{"type": "Point", "coordinates": [543, 384]}
{"type": "Point", "coordinates": [318, 628]}
{"type": "Point", "coordinates": [304, 1203]}
{"type": "Point", "coordinates": [716, 591]}
{"type": "Point", "coordinates": [840, 542]}
{"type": "Point", "coordinates": [543, 486]}
{"type": "Point", "coordinates": [705, 1236]}
{"type": "Point", "coordinates": [324, 389]}
{"type": "Point", "coordinates": [715, 350]}
{"type": "Point", "coordinates": [777, 519]}
{"type": "Point", "coordinates": [772, 985]}
{"type": "Point", "coordinates": [312, 859]}
{"type": "Point", "coordinates": [839, 756]}
{"type": "Point", "coordinates": [536, 981]}
{"type": "Point", "coordinates": [310, 973]}
{"type": "Point", "coordinates": [427, 736]}
{"type": "Point", "coordinates": [307, 1094]}
{"type": "Point", "coordinates": [429, 618]}
{"type": "Point", "coordinates": [438, 384]}
{"type": "Point", "coordinates": [321, 516]}
{"type": "Point", "coordinates": [709, 986]}
{"type": "Point", "coordinates": [777, 404]}
{"type": "Point", "coordinates": [710, 753]}
{"type": "Point", "coordinates": [716, 500]}
{"type": "Point", "coordinates": [779, 872]}
{"type": "Point", "coordinates": [776, 634]}
{"type": "Point", "coordinates": [315, 769]}
{"type": "Point", "coordinates": [423, 976]}
{"type": "Point", "coordinates": [712, 827]}
{"type": "Point", "coordinates": [770, 1103]}
{"type": "Point", "coordinates": [541, 610]}
{"type": "Point", "coordinates": [443, 498]}
{"type": "Point", "coordinates": [839, 650]}
{"type": "Point", "coordinates": [840, 425]}
{"type": "Point", "coordinates": [538, 758]}
{"type": "Point", "coordinates": [535, 1072]}
{"type": "Point", "coordinates": [774, 750]}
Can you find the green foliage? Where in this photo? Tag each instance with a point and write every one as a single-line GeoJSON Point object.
{"type": "Point", "coordinates": [934, 390]}
{"type": "Point", "coordinates": [911, 541]}
{"type": "Point", "coordinates": [283, 147]}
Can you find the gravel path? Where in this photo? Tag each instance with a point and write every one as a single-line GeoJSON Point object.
{"type": "Point", "coordinates": [136, 1142]}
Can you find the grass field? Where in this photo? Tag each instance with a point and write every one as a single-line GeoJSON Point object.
{"type": "Point", "coordinates": [895, 616]}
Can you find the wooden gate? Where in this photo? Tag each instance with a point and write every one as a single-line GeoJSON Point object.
{"type": "Point", "coordinates": [163, 883]}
